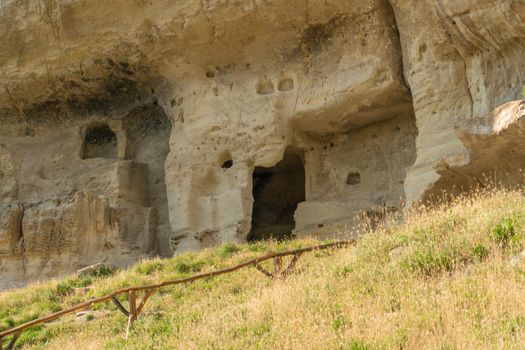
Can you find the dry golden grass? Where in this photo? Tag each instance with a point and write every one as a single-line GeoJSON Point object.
{"type": "Point", "coordinates": [442, 280]}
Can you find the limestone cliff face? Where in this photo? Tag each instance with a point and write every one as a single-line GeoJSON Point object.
{"type": "Point", "coordinates": [131, 128]}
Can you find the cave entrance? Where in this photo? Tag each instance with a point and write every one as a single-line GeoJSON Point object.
{"type": "Point", "coordinates": [276, 193]}
{"type": "Point", "coordinates": [100, 142]}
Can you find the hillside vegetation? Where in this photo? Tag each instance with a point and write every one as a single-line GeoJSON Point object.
{"type": "Point", "coordinates": [448, 278]}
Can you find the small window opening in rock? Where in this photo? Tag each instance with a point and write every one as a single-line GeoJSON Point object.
{"type": "Point", "coordinates": [286, 85]}
{"type": "Point", "coordinates": [225, 159]}
{"type": "Point", "coordinates": [29, 132]}
{"type": "Point", "coordinates": [265, 87]}
{"type": "Point", "coordinates": [276, 193]}
{"type": "Point", "coordinates": [353, 178]}
{"type": "Point", "coordinates": [227, 164]}
{"type": "Point", "coordinates": [100, 142]}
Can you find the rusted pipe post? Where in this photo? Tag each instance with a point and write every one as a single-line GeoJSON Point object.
{"type": "Point", "coordinates": [278, 267]}
{"type": "Point", "coordinates": [263, 270]}
{"type": "Point", "coordinates": [291, 266]}
{"type": "Point", "coordinates": [132, 310]}
{"type": "Point", "coordinates": [119, 305]}
{"type": "Point", "coordinates": [11, 344]}
{"type": "Point", "coordinates": [149, 292]}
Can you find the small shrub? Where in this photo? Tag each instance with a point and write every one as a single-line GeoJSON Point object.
{"type": "Point", "coordinates": [98, 270]}
{"type": "Point", "coordinates": [53, 307]}
{"type": "Point", "coordinates": [480, 252]}
{"type": "Point", "coordinates": [400, 338]}
{"type": "Point", "coordinates": [359, 345]}
{"type": "Point", "coordinates": [429, 262]}
{"type": "Point", "coordinates": [227, 250]}
{"type": "Point", "coordinates": [27, 317]}
{"type": "Point", "coordinates": [343, 271]}
{"type": "Point", "coordinates": [513, 324]}
{"type": "Point", "coordinates": [37, 334]}
{"type": "Point", "coordinates": [394, 304]}
{"type": "Point", "coordinates": [185, 267]}
{"type": "Point", "coordinates": [257, 247]}
{"type": "Point", "coordinates": [148, 267]}
{"type": "Point", "coordinates": [163, 326]}
{"type": "Point", "coordinates": [6, 323]}
{"type": "Point", "coordinates": [506, 233]}
{"type": "Point", "coordinates": [195, 317]}
{"type": "Point", "coordinates": [66, 286]}
{"type": "Point", "coordinates": [240, 332]}
{"type": "Point", "coordinates": [104, 271]}
{"type": "Point", "coordinates": [53, 297]}
{"type": "Point", "coordinates": [236, 289]}
{"type": "Point", "coordinates": [338, 322]}
{"type": "Point", "coordinates": [324, 253]}
{"type": "Point", "coordinates": [261, 329]}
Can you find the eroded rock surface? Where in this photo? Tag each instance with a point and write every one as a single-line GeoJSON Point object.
{"type": "Point", "coordinates": [133, 128]}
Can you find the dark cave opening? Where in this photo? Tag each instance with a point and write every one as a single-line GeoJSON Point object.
{"type": "Point", "coordinates": [276, 193]}
{"type": "Point", "coordinates": [100, 142]}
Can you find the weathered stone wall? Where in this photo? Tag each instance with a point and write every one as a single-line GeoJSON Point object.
{"type": "Point", "coordinates": [460, 61]}
{"type": "Point", "coordinates": [62, 209]}
{"type": "Point", "coordinates": [132, 128]}
{"type": "Point", "coordinates": [360, 170]}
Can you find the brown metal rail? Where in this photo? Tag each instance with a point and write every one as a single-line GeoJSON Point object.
{"type": "Point", "coordinates": [135, 310]}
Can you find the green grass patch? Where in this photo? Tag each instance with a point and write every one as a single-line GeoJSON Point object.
{"type": "Point", "coordinates": [442, 278]}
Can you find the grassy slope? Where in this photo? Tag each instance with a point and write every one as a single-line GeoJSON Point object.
{"type": "Point", "coordinates": [443, 281]}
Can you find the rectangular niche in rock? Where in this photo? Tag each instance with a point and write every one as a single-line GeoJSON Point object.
{"type": "Point", "coordinates": [276, 192]}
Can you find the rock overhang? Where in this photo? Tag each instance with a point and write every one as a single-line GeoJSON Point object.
{"type": "Point", "coordinates": [90, 57]}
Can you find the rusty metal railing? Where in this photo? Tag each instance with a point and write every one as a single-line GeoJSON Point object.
{"type": "Point", "coordinates": [134, 310]}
